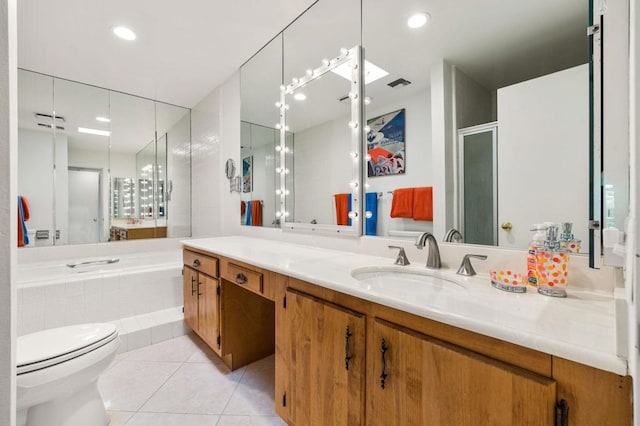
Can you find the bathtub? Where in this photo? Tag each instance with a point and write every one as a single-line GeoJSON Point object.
{"type": "Point", "coordinates": [140, 293]}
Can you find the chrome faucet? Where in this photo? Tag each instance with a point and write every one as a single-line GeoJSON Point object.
{"type": "Point", "coordinates": [433, 258]}
{"type": "Point", "coordinates": [466, 268]}
{"type": "Point", "coordinates": [402, 259]}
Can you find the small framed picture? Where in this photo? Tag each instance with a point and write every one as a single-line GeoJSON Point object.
{"type": "Point", "coordinates": [386, 144]}
{"type": "Point", "coordinates": [247, 174]}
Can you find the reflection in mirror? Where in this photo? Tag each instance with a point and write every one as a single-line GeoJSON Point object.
{"type": "Point", "coordinates": [534, 90]}
{"type": "Point", "coordinates": [321, 110]}
{"type": "Point", "coordinates": [77, 164]}
{"type": "Point", "coordinates": [36, 156]}
{"type": "Point", "coordinates": [260, 79]}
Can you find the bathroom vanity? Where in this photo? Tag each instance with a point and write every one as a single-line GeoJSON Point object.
{"type": "Point", "coordinates": [394, 354]}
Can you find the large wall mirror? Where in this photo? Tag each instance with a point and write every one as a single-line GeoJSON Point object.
{"type": "Point", "coordinates": [96, 165]}
{"type": "Point", "coordinates": [488, 128]}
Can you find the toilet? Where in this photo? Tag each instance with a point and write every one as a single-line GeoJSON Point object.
{"type": "Point", "coordinates": [57, 375]}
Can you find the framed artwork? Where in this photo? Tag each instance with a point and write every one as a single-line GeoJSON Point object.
{"type": "Point", "coordinates": [247, 174]}
{"type": "Point", "coordinates": [386, 144]}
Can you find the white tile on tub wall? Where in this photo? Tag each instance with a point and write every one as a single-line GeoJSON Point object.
{"type": "Point", "coordinates": [161, 333]}
{"type": "Point", "coordinates": [139, 339]}
{"type": "Point", "coordinates": [55, 291]}
{"type": "Point", "coordinates": [75, 288]}
{"type": "Point", "coordinates": [54, 313]}
{"type": "Point", "coordinates": [32, 295]}
{"type": "Point", "coordinates": [94, 287]}
{"type": "Point", "coordinates": [31, 317]}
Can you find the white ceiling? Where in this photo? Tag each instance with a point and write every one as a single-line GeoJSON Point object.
{"type": "Point", "coordinates": [183, 49]}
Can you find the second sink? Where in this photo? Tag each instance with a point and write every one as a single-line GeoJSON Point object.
{"type": "Point", "coordinates": [388, 277]}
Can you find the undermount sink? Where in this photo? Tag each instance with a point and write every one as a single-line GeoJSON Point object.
{"type": "Point", "coordinates": [386, 277]}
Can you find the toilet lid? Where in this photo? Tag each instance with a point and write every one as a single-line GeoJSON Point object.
{"type": "Point", "coordinates": [50, 347]}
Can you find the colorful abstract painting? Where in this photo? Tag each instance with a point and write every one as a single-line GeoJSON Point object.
{"type": "Point", "coordinates": [247, 174]}
{"type": "Point", "coordinates": [386, 144]}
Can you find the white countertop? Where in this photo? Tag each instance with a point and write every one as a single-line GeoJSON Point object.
{"type": "Point", "coordinates": [580, 327]}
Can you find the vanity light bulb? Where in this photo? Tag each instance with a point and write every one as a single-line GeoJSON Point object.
{"type": "Point", "coordinates": [353, 95]}
{"type": "Point", "coordinates": [325, 62]}
{"type": "Point", "coordinates": [286, 107]}
{"type": "Point", "coordinates": [286, 149]}
{"type": "Point", "coordinates": [282, 87]}
{"type": "Point", "coordinates": [278, 192]}
{"type": "Point", "coordinates": [278, 148]}
{"type": "Point", "coordinates": [286, 171]}
{"type": "Point", "coordinates": [353, 215]}
{"type": "Point", "coordinates": [353, 184]}
{"type": "Point", "coordinates": [367, 157]}
{"type": "Point", "coordinates": [295, 80]}
{"type": "Point", "coordinates": [343, 51]}
{"type": "Point", "coordinates": [367, 100]}
{"type": "Point", "coordinates": [278, 214]}
{"type": "Point", "coordinates": [278, 104]}
{"type": "Point", "coordinates": [367, 186]}
{"type": "Point", "coordinates": [354, 155]}
{"type": "Point", "coordinates": [368, 215]}
{"type": "Point", "coordinates": [278, 126]}
{"type": "Point", "coordinates": [353, 124]}
{"type": "Point", "coordinates": [367, 129]}
{"type": "Point", "coordinates": [286, 214]}
{"type": "Point", "coordinates": [286, 128]}
{"type": "Point", "coordinates": [309, 72]}
{"type": "Point", "coordinates": [286, 192]}
{"type": "Point", "coordinates": [278, 170]}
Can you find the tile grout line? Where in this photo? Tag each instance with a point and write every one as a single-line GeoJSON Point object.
{"type": "Point", "coordinates": [232, 393]}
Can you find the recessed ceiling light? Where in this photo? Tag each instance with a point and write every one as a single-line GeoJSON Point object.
{"type": "Point", "coordinates": [299, 96]}
{"type": "Point", "coordinates": [418, 20]}
{"type": "Point", "coordinates": [372, 72]}
{"type": "Point", "coordinates": [94, 131]}
{"type": "Point", "coordinates": [124, 33]}
{"type": "Point", "coordinates": [103, 119]}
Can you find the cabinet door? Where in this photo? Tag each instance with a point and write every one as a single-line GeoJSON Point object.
{"type": "Point", "coordinates": [190, 295]}
{"type": "Point", "coordinates": [209, 311]}
{"type": "Point", "coordinates": [326, 370]}
{"type": "Point", "coordinates": [418, 380]}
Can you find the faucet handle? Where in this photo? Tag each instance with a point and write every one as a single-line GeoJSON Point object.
{"type": "Point", "coordinates": [465, 267]}
{"type": "Point", "coordinates": [402, 256]}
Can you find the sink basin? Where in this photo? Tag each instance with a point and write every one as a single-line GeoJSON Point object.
{"type": "Point", "coordinates": [401, 278]}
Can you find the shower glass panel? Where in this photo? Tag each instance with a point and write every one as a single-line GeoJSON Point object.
{"type": "Point", "coordinates": [478, 185]}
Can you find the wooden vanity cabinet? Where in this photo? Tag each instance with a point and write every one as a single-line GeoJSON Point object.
{"type": "Point", "coordinates": [326, 363]}
{"type": "Point", "coordinates": [415, 379]}
{"type": "Point", "coordinates": [201, 291]}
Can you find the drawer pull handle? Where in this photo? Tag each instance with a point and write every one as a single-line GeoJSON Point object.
{"type": "Point", "coordinates": [199, 284]}
{"type": "Point", "coordinates": [241, 278]}
{"type": "Point", "coordinates": [348, 351]}
{"type": "Point", "coordinates": [193, 290]}
{"type": "Point", "coordinates": [196, 263]}
{"type": "Point", "coordinates": [383, 376]}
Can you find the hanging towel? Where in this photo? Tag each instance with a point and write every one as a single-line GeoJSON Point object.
{"type": "Point", "coordinates": [402, 204]}
{"type": "Point", "coordinates": [343, 202]}
{"type": "Point", "coordinates": [23, 216]}
{"type": "Point", "coordinates": [423, 203]}
{"type": "Point", "coordinates": [243, 208]}
{"type": "Point", "coordinates": [256, 213]}
{"type": "Point", "coordinates": [248, 217]}
{"type": "Point", "coordinates": [371, 206]}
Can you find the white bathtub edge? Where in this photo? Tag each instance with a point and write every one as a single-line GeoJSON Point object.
{"type": "Point", "coordinates": [147, 329]}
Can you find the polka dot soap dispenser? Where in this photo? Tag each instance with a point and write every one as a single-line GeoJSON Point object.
{"type": "Point", "coordinates": [553, 265]}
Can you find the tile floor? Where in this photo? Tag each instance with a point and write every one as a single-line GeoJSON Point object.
{"type": "Point", "coordinates": [182, 382]}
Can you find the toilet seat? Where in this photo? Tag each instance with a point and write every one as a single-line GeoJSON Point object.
{"type": "Point", "coordinates": [46, 348]}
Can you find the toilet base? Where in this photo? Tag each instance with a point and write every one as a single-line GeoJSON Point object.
{"type": "Point", "coordinates": [83, 408]}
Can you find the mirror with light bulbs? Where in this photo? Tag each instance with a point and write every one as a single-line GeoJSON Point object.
{"type": "Point", "coordinates": [320, 112]}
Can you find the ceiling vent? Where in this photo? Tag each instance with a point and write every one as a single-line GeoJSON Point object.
{"type": "Point", "coordinates": [401, 82]}
{"type": "Point", "coordinates": [49, 116]}
{"type": "Point", "coordinates": [48, 126]}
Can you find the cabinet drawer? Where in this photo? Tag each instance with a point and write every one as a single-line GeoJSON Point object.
{"type": "Point", "coordinates": [200, 262]}
{"type": "Point", "coordinates": [245, 277]}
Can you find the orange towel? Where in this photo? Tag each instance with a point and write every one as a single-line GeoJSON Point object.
{"type": "Point", "coordinates": [402, 204]}
{"type": "Point", "coordinates": [256, 213]}
{"type": "Point", "coordinates": [25, 215]}
{"type": "Point", "coordinates": [423, 203]}
{"type": "Point", "coordinates": [243, 208]}
{"type": "Point", "coordinates": [342, 209]}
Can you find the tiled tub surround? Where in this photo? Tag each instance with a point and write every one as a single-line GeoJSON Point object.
{"type": "Point", "coordinates": [141, 294]}
{"type": "Point", "coordinates": [580, 328]}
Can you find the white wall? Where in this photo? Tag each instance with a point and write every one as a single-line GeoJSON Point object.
{"type": "Point", "coordinates": [179, 174]}
{"type": "Point", "coordinates": [543, 154]}
{"type": "Point", "coordinates": [215, 129]}
{"type": "Point", "coordinates": [8, 207]}
{"type": "Point", "coordinates": [418, 166]}
{"type": "Point", "coordinates": [36, 183]}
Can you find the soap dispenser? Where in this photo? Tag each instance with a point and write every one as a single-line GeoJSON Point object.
{"type": "Point", "coordinates": [567, 240]}
{"type": "Point", "coordinates": [552, 265]}
{"type": "Point", "coordinates": [537, 242]}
